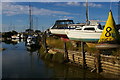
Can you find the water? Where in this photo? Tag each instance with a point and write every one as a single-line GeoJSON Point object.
{"type": "Point", "coordinates": [19, 62]}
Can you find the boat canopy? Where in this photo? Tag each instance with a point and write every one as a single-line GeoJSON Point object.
{"type": "Point", "coordinates": [62, 24]}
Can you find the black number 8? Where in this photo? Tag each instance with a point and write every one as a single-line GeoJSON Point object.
{"type": "Point", "coordinates": [108, 34]}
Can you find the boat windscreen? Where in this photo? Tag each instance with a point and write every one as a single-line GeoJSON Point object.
{"type": "Point", "coordinates": [64, 22]}
{"type": "Point", "coordinates": [100, 27]}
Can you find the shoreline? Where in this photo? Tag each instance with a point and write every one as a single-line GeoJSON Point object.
{"type": "Point", "coordinates": [2, 49]}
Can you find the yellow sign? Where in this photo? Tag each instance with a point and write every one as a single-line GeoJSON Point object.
{"type": "Point", "coordinates": [110, 33]}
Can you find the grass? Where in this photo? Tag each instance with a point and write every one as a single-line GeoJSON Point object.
{"type": "Point", "coordinates": [58, 43]}
{"type": "Point", "coordinates": [116, 52]}
{"type": "Point", "coordinates": [54, 42]}
{"type": "Point", "coordinates": [41, 51]}
{"type": "Point", "coordinates": [57, 57]}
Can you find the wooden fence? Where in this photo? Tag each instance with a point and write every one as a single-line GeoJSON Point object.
{"type": "Point", "coordinates": [108, 64]}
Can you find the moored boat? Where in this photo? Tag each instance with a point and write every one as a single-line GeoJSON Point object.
{"type": "Point", "coordinates": [88, 33]}
{"type": "Point", "coordinates": [15, 36]}
{"type": "Point", "coordinates": [61, 25]}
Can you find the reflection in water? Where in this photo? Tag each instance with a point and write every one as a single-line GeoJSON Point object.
{"type": "Point", "coordinates": [12, 41]}
{"type": "Point", "coordinates": [68, 71]}
{"type": "Point", "coordinates": [33, 48]}
{"type": "Point", "coordinates": [32, 45]}
{"type": "Point", "coordinates": [22, 63]}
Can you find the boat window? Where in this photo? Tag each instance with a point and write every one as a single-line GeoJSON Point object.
{"type": "Point", "coordinates": [67, 23]}
{"type": "Point", "coordinates": [89, 29]}
{"type": "Point", "coordinates": [54, 27]}
{"type": "Point", "coordinates": [61, 23]}
{"type": "Point", "coordinates": [70, 22]}
{"type": "Point", "coordinates": [78, 28]}
{"type": "Point", "coordinates": [64, 22]}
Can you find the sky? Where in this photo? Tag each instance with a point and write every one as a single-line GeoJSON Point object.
{"type": "Point", "coordinates": [59, 0]}
{"type": "Point", "coordinates": [15, 15]}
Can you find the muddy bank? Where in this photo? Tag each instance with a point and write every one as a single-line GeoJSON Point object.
{"type": "Point", "coordinates": [2, 49]}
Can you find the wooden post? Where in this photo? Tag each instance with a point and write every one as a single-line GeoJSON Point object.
{"type": "Point", "coordinates": [83, 55]}
{"type": "Point", "coordinates": [73, 57]}
{"type": "Point", "coordinates": [44, 42]}
{"type": "Point", "coordinates": [66, 53]}
{"type": "Point", "coordinates": [98, 62]}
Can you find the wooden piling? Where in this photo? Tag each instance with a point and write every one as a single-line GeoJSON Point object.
{"type": "Point", "coordinates": [83, 55]}
{"type": "Point", "coordinates": [94, 62]}
{"type": "Point", "coordinates": [73, 57]}
{"type": "Point", "coordinates": [98, 64]}
{"type": "Point", "coordinates": [66, 52]}
{"type": "Point", "coordinates": [44, 42]}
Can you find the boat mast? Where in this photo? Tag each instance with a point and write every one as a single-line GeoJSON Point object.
{"type": "Point", "coordinates": [87, 20]}
{"type": "Point", "coordinates": [30, 18]}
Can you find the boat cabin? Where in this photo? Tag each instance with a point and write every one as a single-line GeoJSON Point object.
{"type": "Point", "coordinates": [93, 26]}
{"type": "Point", "coordinates": [62, 24]}
{"type": "Point", "coordinates": [77, 26]}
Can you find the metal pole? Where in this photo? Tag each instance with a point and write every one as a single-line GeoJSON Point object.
{"type": "Point", "coordinates": [87, 19]}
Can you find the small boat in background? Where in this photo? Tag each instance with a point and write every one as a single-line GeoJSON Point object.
{"type": "Point", "coordinates": [17, 36]}
{"type": "Point", "coordinates": [31, 40]}
{"type": "Point", "coordinates": [14, 37]}
{"type": "Point", "coordinates": [32, 43]}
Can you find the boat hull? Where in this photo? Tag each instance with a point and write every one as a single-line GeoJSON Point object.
{"type": "Point", "coordinates": [59, 32]}
{"type": "Point", "coordinates": [85, 36]}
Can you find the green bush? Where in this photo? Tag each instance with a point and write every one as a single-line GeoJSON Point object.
{"type": "Point", "coordinates": [48, 56]}
{"type": "Point", "coordinates": [41, 52]}
{"type": "Point", "coordinates": [58, 57]}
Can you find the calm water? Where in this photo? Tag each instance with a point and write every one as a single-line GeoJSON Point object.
{"type": "Point", "coordinates": [18, 62]}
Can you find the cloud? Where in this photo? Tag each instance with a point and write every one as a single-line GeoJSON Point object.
{"type": "Point", "coordinates": [67, 17]}
{"type": "Point", "coordinates": [63, 17]}
{"type": "Point", "coordinates": [43, 11]}
{"type": "Point", "coordinates": [0, 8]}
{"type": "Point", "coordinates": [58, 0]}
{"type": "Point", "coordinates": [79, 4]}
{"type": "Point", "coordinates": [93, 5]}
{"type": "Point", "coordinates": [73, 3]}
{"type": "Point", "coordinates": [10, 9]}
{"type": "Point", "coordinates": [68, 4]}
